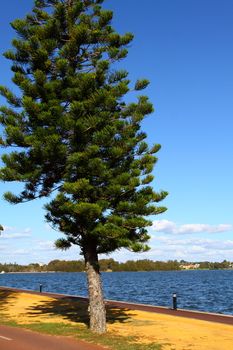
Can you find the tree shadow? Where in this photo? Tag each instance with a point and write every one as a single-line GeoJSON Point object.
{"type": "Point", "coordinates": [76, 310]}
{"type": "Point", "coordinates": [72, 309]}
{"type": "Point", "coordinates": [6, 297]}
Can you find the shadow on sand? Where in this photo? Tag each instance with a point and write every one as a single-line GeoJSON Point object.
{"type": "Point", "coordinates": [6, 297]}
{"type": "Point", "coordinates": [76, 310]}
{"type": "Point", "coordinates": [69, 308]}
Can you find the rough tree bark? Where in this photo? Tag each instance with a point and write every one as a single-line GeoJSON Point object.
{"type": "Point", "coordinates": [97, 311]}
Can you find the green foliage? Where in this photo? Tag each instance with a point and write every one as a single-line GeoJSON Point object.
{"type": "Point", "coordinates": [66, 266]}
{"type": "Point", "coordinates": [105, 265]}
{"type": "Point", "coordinates": [77, 137]}
{"type": "Point", "coordinates": [139, 265]}
{"type": "Point", "coordinates": [110, 265]}
{"type": "Point", "coordinates": [216, 265]}
{"type": "Point", "coordinates": [141, 84]}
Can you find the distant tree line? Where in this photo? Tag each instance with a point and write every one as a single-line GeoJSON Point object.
{"type": "Point", "coordinates": [216, 265]}
{"type": "Point", "coordinates": [112, 265]}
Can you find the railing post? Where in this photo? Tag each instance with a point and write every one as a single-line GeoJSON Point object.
{"type": "Point", "coordinates": [174, 300]}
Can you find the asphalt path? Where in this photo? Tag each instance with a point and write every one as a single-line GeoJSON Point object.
{"type": "Point", "coordinates": [18, 339]}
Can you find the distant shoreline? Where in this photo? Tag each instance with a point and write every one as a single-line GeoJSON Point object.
{"type": "Point", "coordinates": [111, 265]}
{"type": "Point", "coordinates": [43, 272]}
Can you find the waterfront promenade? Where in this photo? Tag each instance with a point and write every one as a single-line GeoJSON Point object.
{"type": "Point", "coordinates": [172, 329]}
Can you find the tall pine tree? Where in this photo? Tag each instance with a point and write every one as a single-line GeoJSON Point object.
{"type": "Point", "coordinates": [78, 141]}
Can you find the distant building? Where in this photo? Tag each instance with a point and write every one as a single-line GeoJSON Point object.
{"type": "Point", "coordinates": [189, 266]}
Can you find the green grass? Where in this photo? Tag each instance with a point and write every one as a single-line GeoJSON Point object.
{"type": "Point", "coordinates": [109, 340]}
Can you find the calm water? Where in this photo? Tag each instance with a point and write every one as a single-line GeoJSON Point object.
{"type": "Point", "coordinates": [197, 290]}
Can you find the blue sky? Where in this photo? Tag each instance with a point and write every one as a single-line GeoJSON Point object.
{"type": "Point", "coordinates": [185, 48]}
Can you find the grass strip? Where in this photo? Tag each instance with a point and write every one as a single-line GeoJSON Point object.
{"type": "Point", "coordinates": [108, 340]}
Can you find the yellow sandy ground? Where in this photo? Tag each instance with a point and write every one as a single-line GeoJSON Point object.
{"type": "Point", "coordinates": [174, 333]}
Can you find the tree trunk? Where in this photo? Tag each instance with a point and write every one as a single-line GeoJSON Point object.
{"type": "Point", "coordinates": [97, 311]}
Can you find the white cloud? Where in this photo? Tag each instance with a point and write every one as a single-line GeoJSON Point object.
{"type": "Point", "coordinates": [46, 245]}
{"type": "Point", "coordinates": [191, 249]}
{"type": "Point", "coordinates": [8, 228]}
{"type": "Point", "coordinates": [22, 252]}
{"type": "Point", "coordinates": [20, 246]}
{"type": "Point", "coordinates": [27, 230]}
{"type": "Point", "coordinates": [14, 233]}
{"type": "Point", "coordinates": [171, 227]}
{"type": "Point", "coordinates": [192, 242]}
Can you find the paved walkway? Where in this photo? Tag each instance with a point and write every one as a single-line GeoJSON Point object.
{"type": "Point", "coordinates": [12, 338]}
